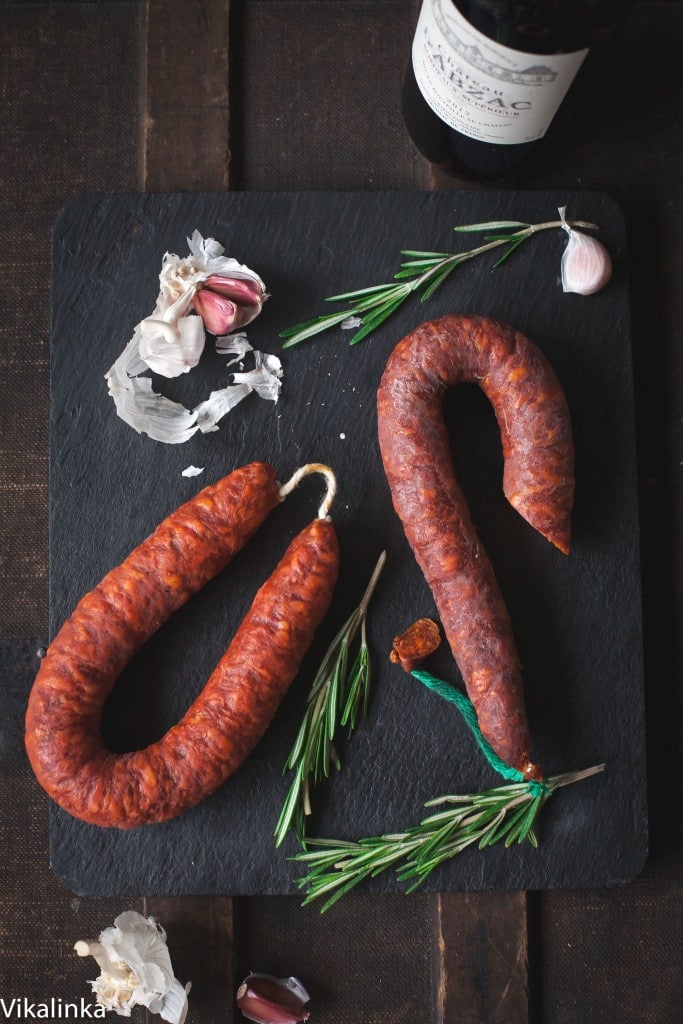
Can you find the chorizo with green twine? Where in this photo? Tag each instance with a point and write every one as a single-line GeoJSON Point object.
{"type": "Point", "coordinates": [538, 482]}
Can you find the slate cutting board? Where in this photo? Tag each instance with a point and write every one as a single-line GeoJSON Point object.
{"type": "Point", "coordinates": [577, 620]}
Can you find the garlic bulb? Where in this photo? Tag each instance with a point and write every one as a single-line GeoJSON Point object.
{"type": "Point", "coordinates": [586, 266]}
{"type": "Point", "coordinates": [205, 287]}
{"type": "Point", "coordinates": [171, 340]}
{"type": "Point", "coordinates": [135, 969]}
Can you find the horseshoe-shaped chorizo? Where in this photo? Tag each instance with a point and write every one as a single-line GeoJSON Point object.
{"type": "Point", "coordinates": [538, 481]}
{"type": "Point", "coordinates": [110, 624]}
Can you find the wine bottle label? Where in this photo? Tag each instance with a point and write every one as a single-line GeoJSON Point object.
{"type": "Point", "coordinates": [482, 89]}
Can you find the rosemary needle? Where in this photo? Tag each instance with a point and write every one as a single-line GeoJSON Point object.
{"type": "Point", "coordinates": [339, 695]}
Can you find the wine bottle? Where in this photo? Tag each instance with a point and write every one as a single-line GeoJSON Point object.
{"type": "Point", "coordinates": [487, 77]}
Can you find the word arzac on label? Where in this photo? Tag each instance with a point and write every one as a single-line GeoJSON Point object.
{"type": "Point", "coordinates": [459, 79]}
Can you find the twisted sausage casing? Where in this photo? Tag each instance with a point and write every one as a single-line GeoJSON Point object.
{"type": "Point", "coordinates": [538, 481]}
{"type": "Point", "coordinates": [110, 623]}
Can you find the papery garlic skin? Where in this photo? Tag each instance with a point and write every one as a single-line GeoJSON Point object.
{"type": "Point", "coordinates": [170, 349]}
{"type": "Point", "coordinates": [180, 277]}
{"type": "Point", "coordinates": [209, 255]}
{"type": "Point", "coordinates": [586, 266]}
{"type": "Point", "coordinates": [136, 969]}
{"type": "Point", "coordinates": [151, 413]}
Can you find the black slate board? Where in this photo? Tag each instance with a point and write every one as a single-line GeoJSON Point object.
{"type": "Point", "coordinates": [577, 620]}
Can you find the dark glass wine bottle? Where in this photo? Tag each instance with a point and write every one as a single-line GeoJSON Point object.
{"type": "Point", "coordinates": [488, 76]}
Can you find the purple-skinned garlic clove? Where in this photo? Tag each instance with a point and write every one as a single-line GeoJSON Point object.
{"type": "Point", "coordinates": [241, 289]}
{"type": "Point", "coordinates": [228, 303]}
{"type": "Point", "coordinates": [219, 314]}
{"type": "Point", "coordinates": [268, 1000]}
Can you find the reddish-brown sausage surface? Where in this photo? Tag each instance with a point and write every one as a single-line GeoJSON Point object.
{"type": "Point", "coordinates": [538, 481]}
{"type": "Point", "coordinates": [110, 623]}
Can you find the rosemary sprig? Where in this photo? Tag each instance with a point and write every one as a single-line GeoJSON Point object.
{"type": "Point", "coordinates": [339, 694]}
{"type": "Point", "coordinates": [507, 813]}
{"type": "Point", "coordinates": [421, 270]}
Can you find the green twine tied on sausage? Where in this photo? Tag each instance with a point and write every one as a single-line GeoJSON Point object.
{"type": "Point", "coordinates": [454, 696]}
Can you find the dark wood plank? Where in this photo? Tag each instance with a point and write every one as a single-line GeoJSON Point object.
{"type": "Point", "coordinates": [318, 96]}
{"type": "Point", "coordinates": [366, 959]}
{"type": "Point", "coordinates": [613, 954]}
{"type": "Point", "coordinates": [480, 953]}
{"type": "Point", "coordinates": [70, 91]}
{"type": "Point", "coordinates": [185, 143]}
{"type": "Point", "coordinates": [200, 937]}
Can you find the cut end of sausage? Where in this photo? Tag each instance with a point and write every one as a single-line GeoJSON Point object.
{"type": "Point", "coordinates": [415, 644]}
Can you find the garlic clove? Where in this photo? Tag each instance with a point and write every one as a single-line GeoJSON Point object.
{"type": "Point", "coordinates": [268, 1000]}
{"type": "Point", "coordinates": [226, 303]}
{"type": "Point", "coordinates": [586, 265]}
{"type": "Point", "coordinates": [241, 290]}
{"type": "Point", "coordinates": [219, 314]}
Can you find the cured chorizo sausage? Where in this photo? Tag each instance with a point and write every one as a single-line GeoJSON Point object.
{"type": "Point", "coordinates": [538, 481]}
{"type": "Point", "coordinates": [110, 623]}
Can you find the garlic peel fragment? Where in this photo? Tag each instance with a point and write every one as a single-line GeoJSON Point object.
{"type": "Point", "coordinates": [170, 349]}
{"type": "Point", "coordinates": [209, 254]}
{"type": "Point", "coordinates": [162, 419]}
{"type": "Point", "coordinates": [586, 266]}
{"type": "Point", "coordinates": [135, 969]}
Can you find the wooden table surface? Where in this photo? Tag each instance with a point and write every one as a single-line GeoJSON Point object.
{"type": "Point", "coordinates": [304, 94]}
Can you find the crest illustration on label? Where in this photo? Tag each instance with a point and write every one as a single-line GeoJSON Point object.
{"type": "Point", "coordinates": [482, 89]}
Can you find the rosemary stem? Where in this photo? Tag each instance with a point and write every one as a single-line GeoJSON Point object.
{"type": "Point", "coordinates": [533, 228]}
{"type": "Point", "coordinates": [338, 695]}
{"type": "Point", "coordinates": [306, 792]}
{"type": "Point", "coordinates": [515, 236]}
{"type": "Point", "coordinates": [369, 590]}
{"type": "Point", "coordinates": [557, 781]}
